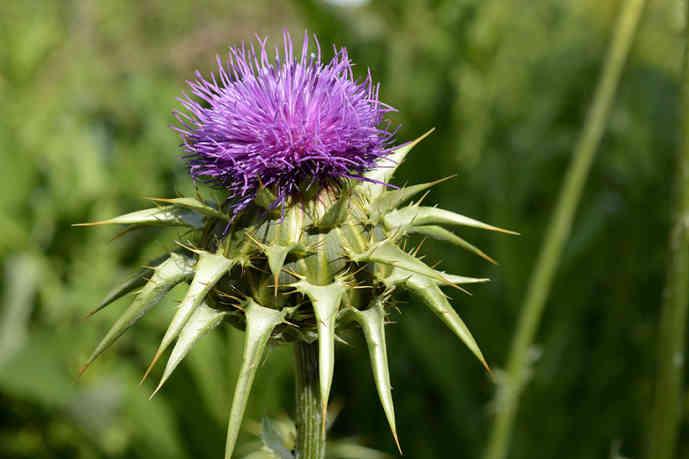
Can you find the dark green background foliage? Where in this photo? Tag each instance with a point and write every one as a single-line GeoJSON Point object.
{"type": "Point", "coordinates": [86, 94]}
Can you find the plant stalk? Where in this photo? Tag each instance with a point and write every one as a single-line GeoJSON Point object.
{"type": "Point", "coordinates": [510, 388]}
{"type": "Point", "coordinates": [667, 407]}
{"type": "Point", "coordinates": [310, 432]}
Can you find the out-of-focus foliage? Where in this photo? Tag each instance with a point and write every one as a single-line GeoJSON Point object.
{"type": "Point", "coordinates": [86, 91]}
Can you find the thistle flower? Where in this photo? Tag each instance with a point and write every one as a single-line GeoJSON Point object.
{"type": "Point", "coordinates": [285, 124]}
{"type": "Point", "coordinates": [307, 136]}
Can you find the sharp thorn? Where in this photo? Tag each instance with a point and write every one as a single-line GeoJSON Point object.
{"type": "Point", "coordinates": [123, 232]}
{"type": "Point", "coordinates": [397, 442]}
{"type": "Point", "coordinates": [83, 369]}
{"type": "Point", "coordinates": [461, 289]}
{"type": "Point", "coordinates": [160, 385]}
{"type": "Point", "coordinates": [188, 247]}
{"type": "Point", "coordinates": [150, 366]}
{"type": "Point", "coordinates": [487, 368]}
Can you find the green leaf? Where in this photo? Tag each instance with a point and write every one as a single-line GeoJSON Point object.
{"type": "Point", "coordinates": [195, 205]}
{"type": "Point", "coordinates": [372, 322]}
{"type": "Point", "coordinates": [326, 300]}
{"type": "Point", "coordinates": [429, 291]}
{"type": "Point", "coordinates": [133, 283]}
{"type": "Point", "coordinates": [171, 272]}
{"type": "Point", "coordinates": [387, 167]}
{"type": "Point", "coordinates": [260, 322]}
{"type": "Point", "coordinates": [419, 215]}
{"type": "Point", "coordinates": [156, 216]}
{"type": "Point", "coordinates": [201, 321]}
{"type": "Point", "coordinates": [208, 271]}
{"type": "Point", "coordinates": [441, 234]}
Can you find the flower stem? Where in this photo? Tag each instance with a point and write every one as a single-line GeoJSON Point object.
{"type": "Point", "coordinates": [310, 434]}
{"type": "Point", "coordinates": [510, 388]}
{"type": "Point", "coordinates": [668, 403]}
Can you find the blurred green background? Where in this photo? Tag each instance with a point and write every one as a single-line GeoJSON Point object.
{"type": "Point", "coordinates": [86, 94]}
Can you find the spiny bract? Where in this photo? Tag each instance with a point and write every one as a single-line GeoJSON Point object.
{"type": "Point", "coordinates": [328, 257]}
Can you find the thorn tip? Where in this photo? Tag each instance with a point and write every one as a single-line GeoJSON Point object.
{"type": "Point", "coordinates": [151, 365]}
{"type": "Point", "coordinates": [83, 369]}
{"type": "Point", "coordinates": [160, 384]}
{"type": "Point", "coordinates": [397, 441]}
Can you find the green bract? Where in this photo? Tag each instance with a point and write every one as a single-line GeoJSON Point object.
{"type": "Point", "coordinates": [299, 273]}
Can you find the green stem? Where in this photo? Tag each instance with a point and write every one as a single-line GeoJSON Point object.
{"type": "Point", "coordinates": [667, 407]}
{"type": "Point", "coordinates": [310, 434]}
{"type": "Point", "coordinates": [510, 388]}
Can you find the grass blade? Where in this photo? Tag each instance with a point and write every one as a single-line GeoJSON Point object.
{"type": "Point", "coordinates": [560, 227]}
{"type": "Point", "coordinates": [668, 408]}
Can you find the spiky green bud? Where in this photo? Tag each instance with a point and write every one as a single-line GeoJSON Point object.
{"type": "Point", "coordinates": [298, 273]}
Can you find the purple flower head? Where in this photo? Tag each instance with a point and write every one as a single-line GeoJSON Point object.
{"type": "Point", "coordinates": [285, 124]}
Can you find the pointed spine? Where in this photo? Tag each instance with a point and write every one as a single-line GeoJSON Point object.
{"type": "Point", "coordinates": [378, 177]}
{"type": "Point", "coordinates": [431, 294]}
{"type": "Point", "coordinates": [372, 322]}
{"type": "Point", "coordinates": [276, 255]}
{"type": "Point", "coordinates": [156, 216]}
{"type": "Point", "coordinates": [441, 234]}
{"type": "Point", "coordinates": [391, 199]}
{"type": "Point", "coordinates": [171, 272]}
{"type": "Point", "coordinates": [133, 283]}
{"type": "Point", "coordinates": [195, 205]}
{"type": "Point", "coordinates": [288, 235]}
{"type": "Point", "coordinates": [201, 322]}
{"type": "Point", "coordinates": [260, 322]}
{"type": "Point", "coordinates": [388, 253]}
{"type": "Point", "coordinates": [208, 271]}
{"type": "Point", "coordinates": [326, 300]}
{"type": "Point", "coordinates": [420, 215]}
